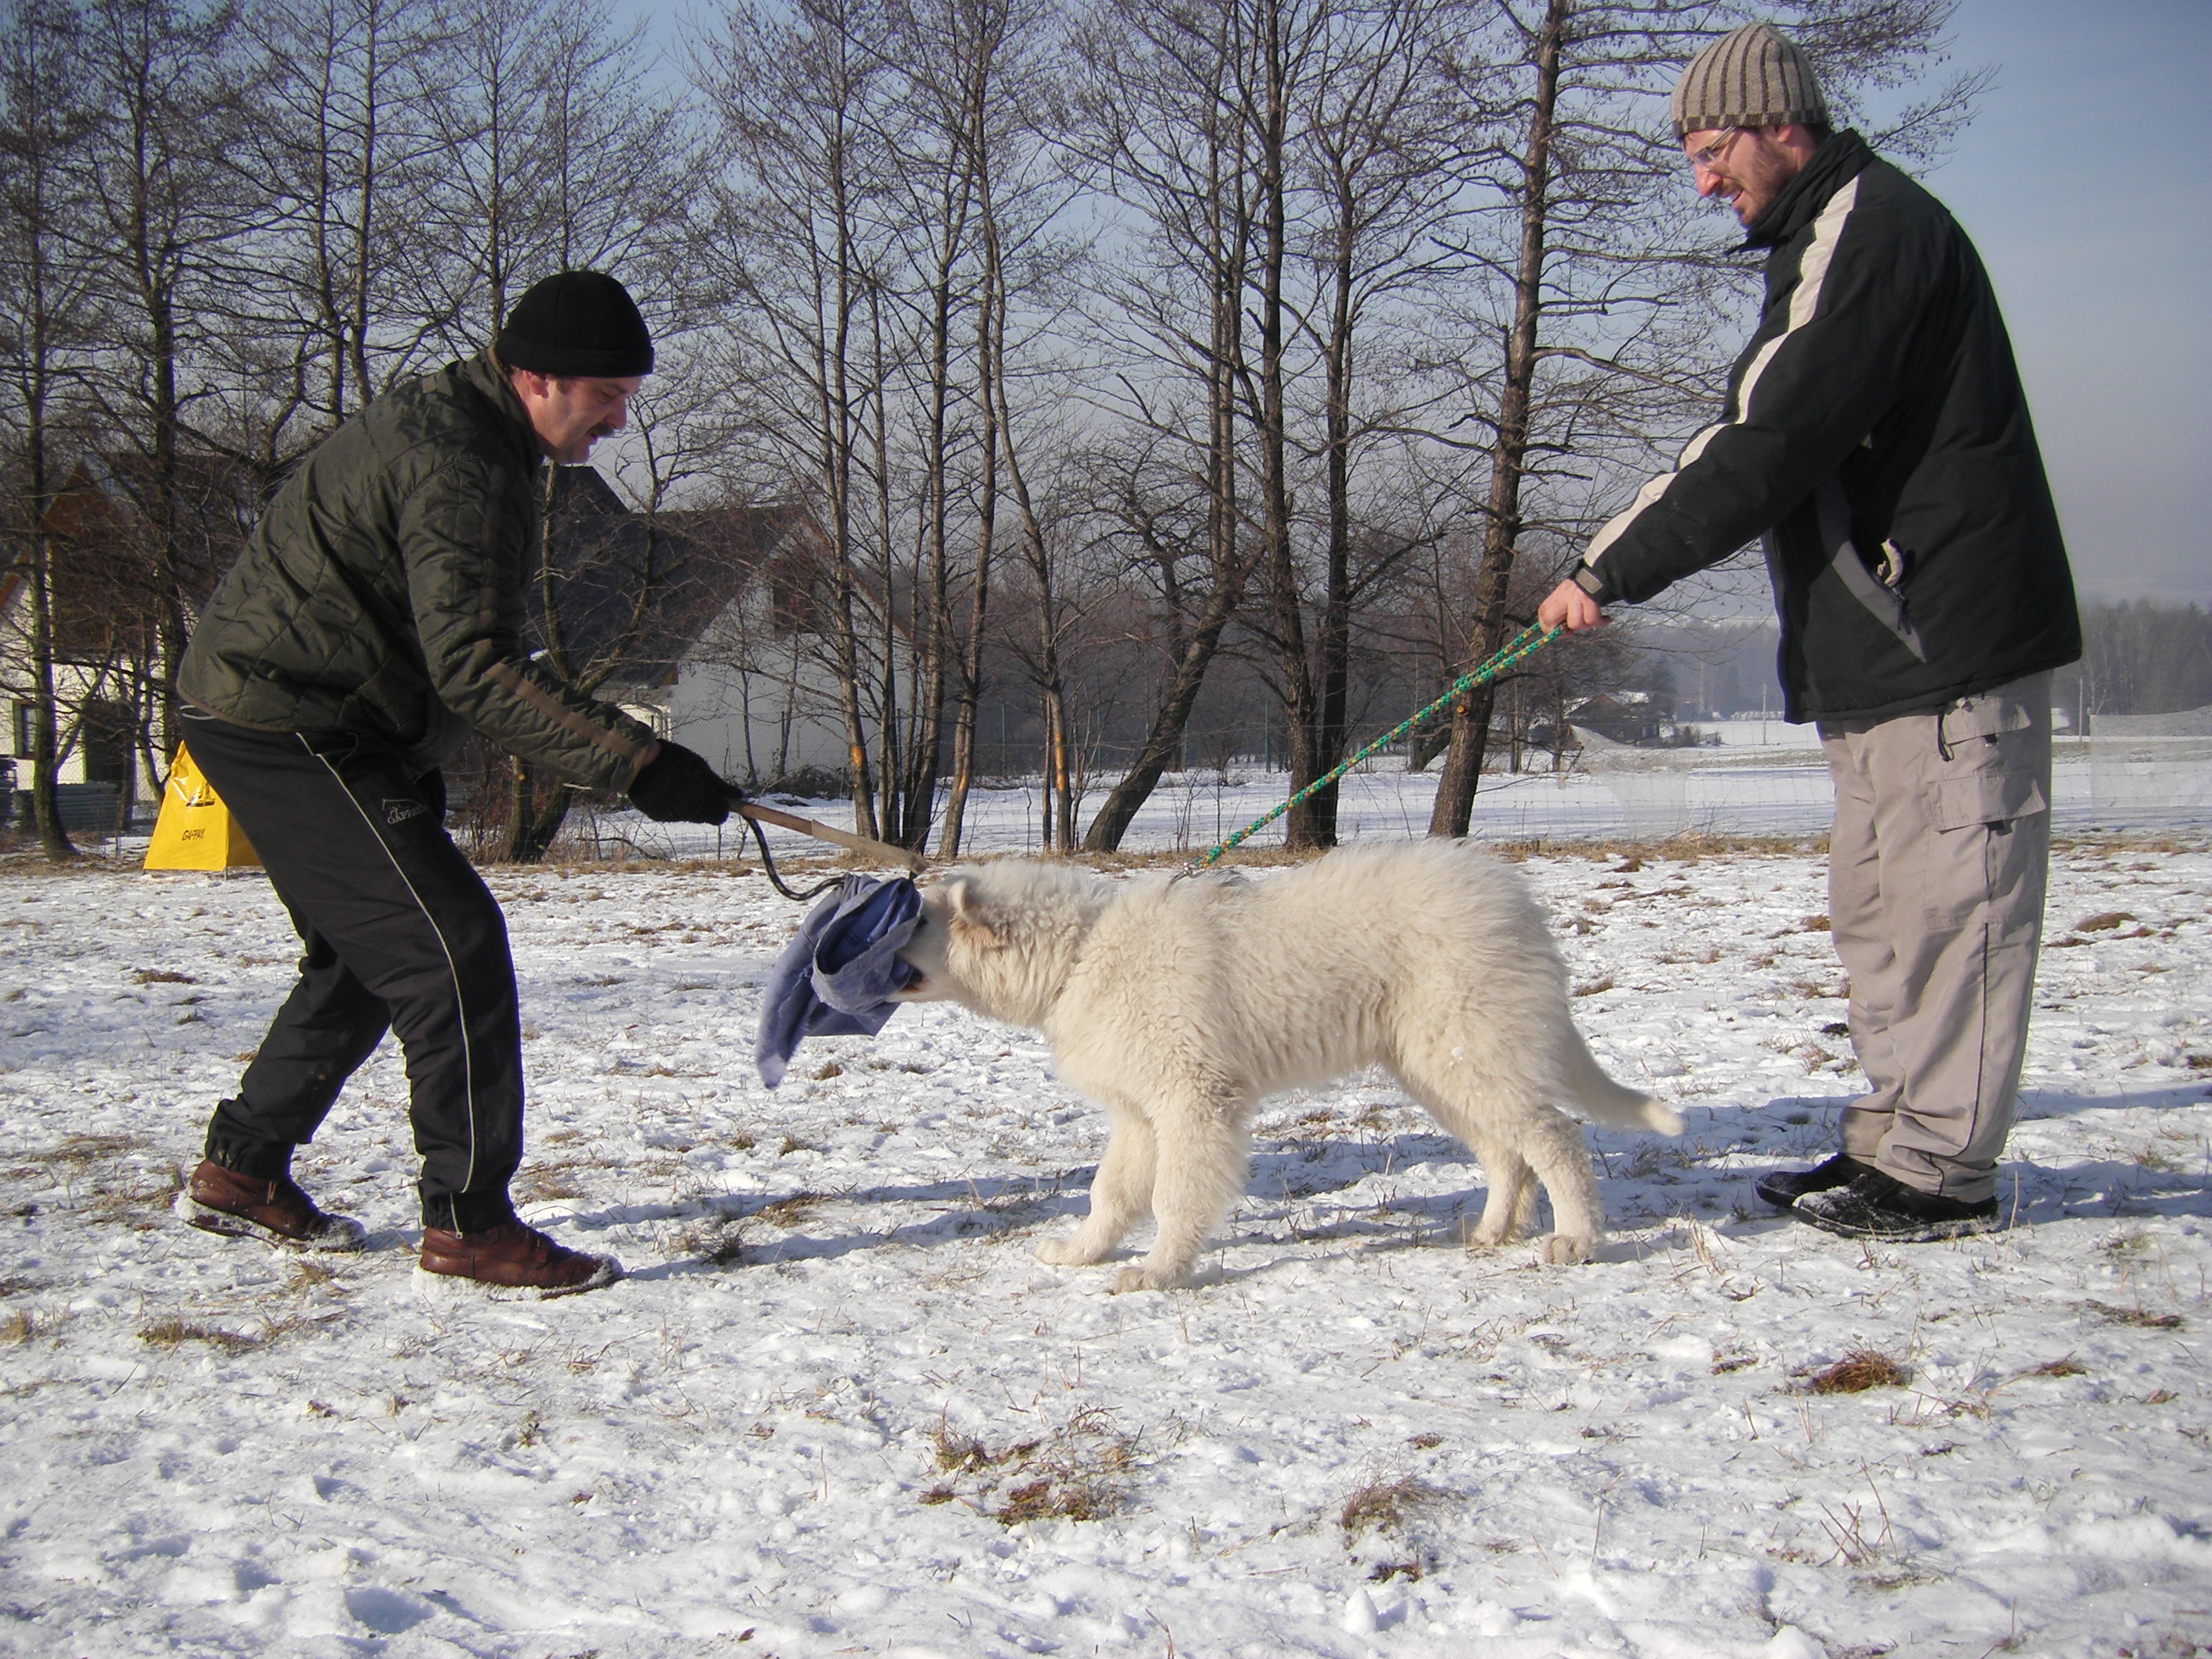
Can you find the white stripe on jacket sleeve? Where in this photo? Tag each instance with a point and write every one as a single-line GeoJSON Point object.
{"type": "Point", "coordinates": [1804, 305]}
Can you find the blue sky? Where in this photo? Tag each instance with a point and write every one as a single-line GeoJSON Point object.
{"type": "Point", "coordinates": [2084, 182]}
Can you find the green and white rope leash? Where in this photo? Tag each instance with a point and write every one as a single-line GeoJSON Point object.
{"type": "Point", "coordinates": [1531, 640]}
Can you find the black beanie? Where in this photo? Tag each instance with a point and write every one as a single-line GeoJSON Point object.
{"type": "Point", "coordinates": [580, 322]}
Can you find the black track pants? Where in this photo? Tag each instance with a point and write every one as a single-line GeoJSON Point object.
{"type": "Point", "coordinates": [400, 933]}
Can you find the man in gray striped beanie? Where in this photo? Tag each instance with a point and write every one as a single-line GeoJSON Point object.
{"type": "Point", "coordinates": [1756, 108]}
{"type": "Point", "coordinates": [1876, 438]}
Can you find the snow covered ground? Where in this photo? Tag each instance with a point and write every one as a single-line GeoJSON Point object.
{"type": "Point", "coordinates": [838, 1408]}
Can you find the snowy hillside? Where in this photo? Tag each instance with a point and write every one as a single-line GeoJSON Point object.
{"type": "Point", "coordinates": [838, 1408]}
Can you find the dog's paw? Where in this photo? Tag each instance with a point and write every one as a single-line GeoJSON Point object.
{"type": "Point", "coordinates": [1144, 1279]}
{"type": "Point", "coordinates": [1063, 1253]}
{"type": "Point", "coordinates": [1564, 1249]}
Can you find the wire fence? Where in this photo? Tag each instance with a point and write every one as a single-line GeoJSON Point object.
{"type": "Point", "coordinates": [2139, 775]}
{"type": "Point", "coordinates": [2124, 781]}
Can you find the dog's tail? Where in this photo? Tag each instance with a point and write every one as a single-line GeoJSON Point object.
{"type": "Point", "coordinates": [1611, 1103]}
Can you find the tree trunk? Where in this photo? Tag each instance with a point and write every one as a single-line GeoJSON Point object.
{"type": "Point", "coordinates": [35, 131]}
{"type": "Point", "coordinates": [970, 690]}
{"type": "Point", "coordinates": [1163, 741]}
{"type": "Point", "coordinates": [46, 738]}
{"type": "Point", "coordinates": [532, 824]}
{"type": "Point", "coordinates": [837, 431]}
{"type": "Point", "coordinates": [1287, 606]}
{"type": "Point", "coordinates": [933, 627]}
{"type": "Point", "coordinates": [1470, 715]}
{"type": "Point", "coordinates": [1334, 645]}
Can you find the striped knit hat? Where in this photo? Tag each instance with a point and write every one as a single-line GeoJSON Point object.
{"type": "Point", "coordinates": [1749, 77]}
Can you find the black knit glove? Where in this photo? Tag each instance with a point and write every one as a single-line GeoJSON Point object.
{"type": "Point", "coordinates": [677, 786]}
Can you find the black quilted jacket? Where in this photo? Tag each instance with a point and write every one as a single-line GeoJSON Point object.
{"type": "Point", "coordinates": [382, 592]}
{"type": "Point", "coordinates": [1877, 436]}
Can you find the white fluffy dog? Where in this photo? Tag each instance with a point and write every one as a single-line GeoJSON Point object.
{"type": "Point", "coordinates": [1178, 1005]}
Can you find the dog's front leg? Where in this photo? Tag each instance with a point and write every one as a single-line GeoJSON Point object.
{"type": "Point", "coordinates": [1204, 1146]}
{"type": "Point", "coordinates": [1121, 1193]}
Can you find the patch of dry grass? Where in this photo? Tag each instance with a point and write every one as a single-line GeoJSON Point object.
{"type": "Point", "coordinates": [26, 1325]}
{"type": "Point", "coordinates": [1384, 1521]}
{"type": "Point", "coordinates": [793, 1211]}
{"type": "Point", "coordinates": [305, 1275]}
{"type": "Point", "coordinates": [82, 1151]}
{"type": "Point", "coordinates": [1081, 1471]}
{"type": "Point", "coordinates": [1855, 1373]}
{"type": "Point", "coordinates": [2136, 1316]}
{"type": "Point", "coordinates": [173, 1334]}
{"type": "Point", "coordinates": [1388, 1506]}
{"type": "Point", "coordinates": [140, 1203]}
{"type": "Point", "coordinates": [718, 1241]}
{"type": "Point", "coordinates": [543, 1182]}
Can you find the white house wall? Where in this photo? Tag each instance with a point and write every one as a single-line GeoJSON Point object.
{"type": "Point", "coordinates": [778, 715]}
{"type": "Point", "coordinates": [72, 685]}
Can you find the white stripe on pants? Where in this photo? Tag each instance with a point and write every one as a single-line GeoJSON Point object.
{"type": "Point", "coordinates": [1935, 881]}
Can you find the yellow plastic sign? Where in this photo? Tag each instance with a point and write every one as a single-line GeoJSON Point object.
{"type": "Point", "coordinates": [196, 830]}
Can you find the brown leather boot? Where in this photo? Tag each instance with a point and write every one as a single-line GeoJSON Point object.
{"type": "Point", "coordinates": [219, 1201]}
{"type": "Point", "coordinates": [508, 1262]}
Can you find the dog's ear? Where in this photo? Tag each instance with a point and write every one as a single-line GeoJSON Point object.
{"type": "Point", "coordinates": [967, 914]}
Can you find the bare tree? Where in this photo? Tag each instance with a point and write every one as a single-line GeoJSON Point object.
{"type": "Point", "coordinates": [2143, 658]}
{"type": "Point", "coordinates": [340, 129]}
{"type": "Point", "coordinates": [170, 212]}
{"type": "Point", "coordinates": [45, 319]}
{"type": "Point", "coordinates": [1379, 135]}
{"type": "Point", "coordinates": [811, 116]}
{"type": "Point", "coordinates": [554, 151]}
{"type": "Point", "coordinates": [1162, 128]}
{"type": "Point", "coordinates": [1286, 165]}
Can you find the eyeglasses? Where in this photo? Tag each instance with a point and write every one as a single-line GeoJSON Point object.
{"type": "Point", "coordinates": [1704, 160]}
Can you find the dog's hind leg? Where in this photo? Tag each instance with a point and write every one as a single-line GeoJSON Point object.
{"type": "Point", "coordinates": [1512, 1200]}
{"type": "Point", "coordinates": [1205, 1151]}
{"type": "Point", "coordinates": [1512, 1194]}
{"type": "Point", "coordinates": [1519, 1141]}
{"type": "Point", "coordinates": [1552, 1142]}
{"type": "Point", "coordinates": [1120, 1194]}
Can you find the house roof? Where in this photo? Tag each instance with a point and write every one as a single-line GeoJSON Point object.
{"type": "Point", "coordinates": [109, 584]}
{"type": "Point", "coordinates": [632, 593]}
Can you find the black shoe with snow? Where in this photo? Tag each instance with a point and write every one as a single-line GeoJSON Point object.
{"type": "Point", "coordinates": [275, 1210]}
{"type": "Point", "coordinates": [1785, 1187]}
{"type": "Point", "coordinates": [1877, 1207]}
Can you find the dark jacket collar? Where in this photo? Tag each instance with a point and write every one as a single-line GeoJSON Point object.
{"type": "Point", "coordinates": [1841, 158]}
{"type": "Point", "coordinates": [484, 375]}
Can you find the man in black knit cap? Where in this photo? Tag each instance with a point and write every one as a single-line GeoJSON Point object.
{"type": "Point", "coordinates": [1876, 436]}
{"type": "Point", "coordinates": [374, 619]}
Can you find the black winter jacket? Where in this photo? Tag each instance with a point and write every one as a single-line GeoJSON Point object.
{"type": "Point", "coordinates": [1877, 435]}
{"type": "Point", "coordinates": [382, 592]}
